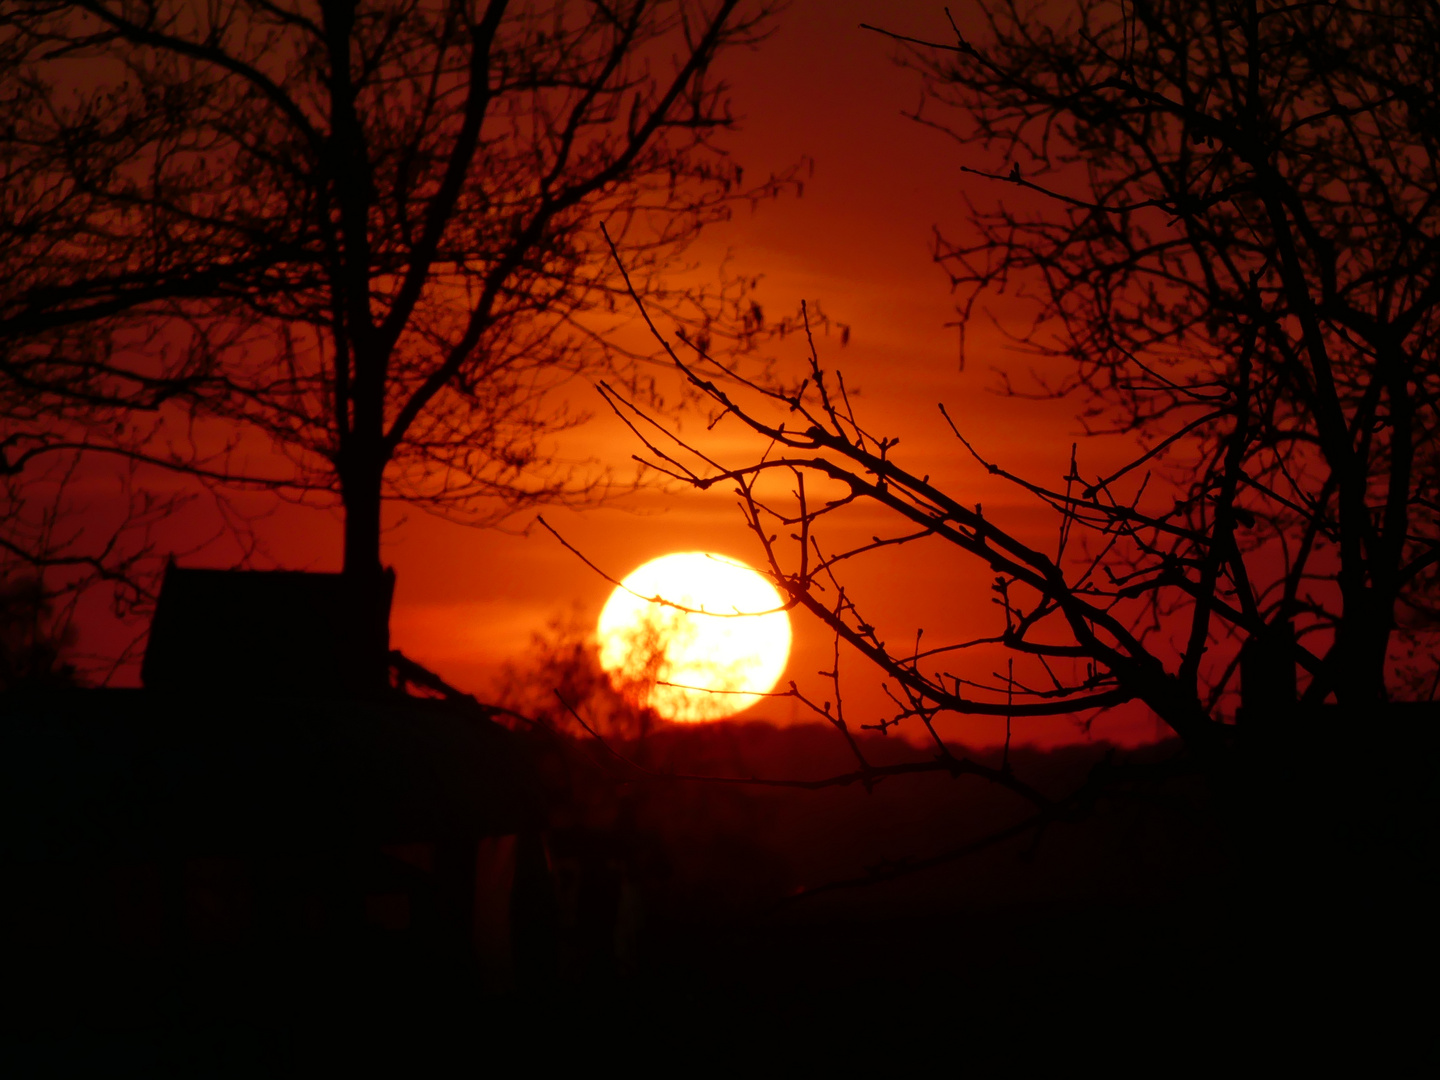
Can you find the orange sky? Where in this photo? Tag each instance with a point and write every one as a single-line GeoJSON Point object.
{"type": "Point", "coordinates": [858, 242]}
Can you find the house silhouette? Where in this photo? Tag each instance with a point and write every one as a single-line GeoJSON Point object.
{"type": "Point", "coordinates": [256, 631]}
{"type": "Point", "coordinates": [251, 805]}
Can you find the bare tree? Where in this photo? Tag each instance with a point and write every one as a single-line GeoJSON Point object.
{"type": "Point", "coordinates": [361, 234]}
{"type": "Point", "coordinates": [32, 638]}
{"type": "Point", "coordinates": [69, 393]}
{"type": "Point", "coordinates": [1228, 231]}
{"type": "Point", "coordinates": [1233, 249]}
{"type": "Point", "coordinates": [559, 678]}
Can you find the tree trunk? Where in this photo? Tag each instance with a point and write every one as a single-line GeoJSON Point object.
{"type": "Point", "coordinates": [1361, 641]}
{"type": "Point", "coordinates": [370, 586]}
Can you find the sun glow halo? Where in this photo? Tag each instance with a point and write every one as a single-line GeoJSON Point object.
{"type": "Point", "coordinates": [729, 646]}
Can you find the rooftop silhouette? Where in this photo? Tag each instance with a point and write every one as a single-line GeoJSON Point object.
{"type": "Point", "coordinates": [261, 631]}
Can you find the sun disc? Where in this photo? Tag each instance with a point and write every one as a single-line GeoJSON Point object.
{"type": "Point", "coordinates": [722, 644]}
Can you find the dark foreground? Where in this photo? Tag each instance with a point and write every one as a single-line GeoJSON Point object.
{"type": "Point", "coordinates": [1145, 930]}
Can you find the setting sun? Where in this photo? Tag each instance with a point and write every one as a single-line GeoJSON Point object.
{"type": "Point", "coordinates": [712, 655]}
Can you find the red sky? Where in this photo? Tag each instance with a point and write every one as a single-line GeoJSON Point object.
{"type": "Point", "coordinates": [858, 243]}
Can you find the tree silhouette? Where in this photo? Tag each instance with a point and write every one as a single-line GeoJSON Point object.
{"type": "Point", "coordinates": [362, 233]}
{"type": "Point", "coordinates": [76, 304]}
{"type": "Point", "coordinates": [1226, 223]}
{"type": "Point", "coordinates": [32, 637]}
{"type": "Point", "coordinates": [559, 680]}
{"type": "Point", "coordinates": [1233, 250]}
